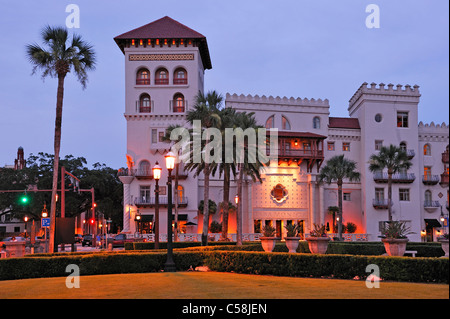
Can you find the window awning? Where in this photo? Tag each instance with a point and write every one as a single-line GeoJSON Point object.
{"type": "Point", "coordinates": [432, 223]}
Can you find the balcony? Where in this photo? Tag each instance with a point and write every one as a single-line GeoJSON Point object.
{"type": "Point", "coordinates": [444, 180]}
{"type": "Point", "coordinates": [410, 154]}
{"type": "Point", "coordinates": [445, 157]}
{"type": "Point", "coordinates": [380, 203]}
{"type": "Point", "coordinates": [396, 178]}
{"type": "Point", "coordinates": [431, 205]}
{"type": "Point", "coordinates": [178, 106]}
{"type": "Point", "coordinates": [163, 202]}
{"type": "Point", "coordinates": [161, 81]}
{"type": "Point", "coordinates": [179, 81]}
{"type": "Point", "coordinates": [142, 81]}
{"type": "Point", "coordinates": [143, 174]}
{"type": "Point", "coordinates": [430, 179]}
{"type": "Point", "coordinates": [144, 107]}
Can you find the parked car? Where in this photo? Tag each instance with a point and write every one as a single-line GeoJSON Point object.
{"type": "Point", "coordinates": [78, 238]}
{"type": "Point", "coordinates": [121, 239]}
{"type": "Point", "coordinates": [87, 240]}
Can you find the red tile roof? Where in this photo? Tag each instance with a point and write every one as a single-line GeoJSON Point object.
{"type": "Point", "coordinates": [167, 28]}
{"type": "Point", "coordinates": [343, 122]}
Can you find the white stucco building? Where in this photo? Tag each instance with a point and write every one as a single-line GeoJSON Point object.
{"type": "Point", "coordinates": [165, 63]}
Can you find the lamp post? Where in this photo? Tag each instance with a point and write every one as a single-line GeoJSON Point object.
{"type": "Point", "coordinates": [157, 175]}
{"type": "Point", "coordinates": [169, 266]}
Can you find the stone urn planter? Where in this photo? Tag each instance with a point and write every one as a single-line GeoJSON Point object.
{"type": "Point", "coordinates": [395, 246]}
{"type": "Point", "coordinates": [318, 245]}
{"type": "Point", "coordinates": [444, 244]}
{"type": "Point", "coordinates": [268, 243]}
{"type": "Point", "coordinates": [292, 243]}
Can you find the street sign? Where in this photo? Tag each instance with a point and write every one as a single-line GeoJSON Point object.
{"type": "Point", "coordinates": [45, 222]}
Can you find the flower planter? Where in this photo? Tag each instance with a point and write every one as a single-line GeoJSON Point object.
{"type": "Point", "coordinates": [444, 244]}
{"type": "Point", "coordinates": [318, 245]}
{"type": "Point", "coordinates": [268, 243]}
{"type": "Point", "coordinates": [395, 246]}
{"type": "Point", "coordinates": [292, 243]}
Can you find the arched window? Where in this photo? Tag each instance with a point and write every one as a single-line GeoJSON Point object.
{"type": "Point", "coordinates": [270, 123]}
{"type": "Point", "coordinates": [178, 103]}
{"type": "Point", "coordinates": [162, 76]}
{"type": "Point", "coordinates": [427, 149]}
{"type": "Point", "coordinates": [143, 77]}
{"type": "Point", "coordinates": [144, 168]}
{"type": "Point", "coordinates": [428, 197]}
{"type": "Point", "coordinates": [285, 124]}
{"type": "Point", "coordinates": [180, 76]}
{"type": "Point", "coordinates": [316, 122]}
{"type": "Point", "coordinates": [145, 103]}
{"type": "Point", "coordinates": [403, 146]}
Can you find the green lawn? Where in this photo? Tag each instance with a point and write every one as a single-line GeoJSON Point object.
{"type": "Point", "coordinates": [214, 285]}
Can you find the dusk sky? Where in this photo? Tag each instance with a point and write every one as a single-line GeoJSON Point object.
{"type": "Point", "coordinates": [293, 48]}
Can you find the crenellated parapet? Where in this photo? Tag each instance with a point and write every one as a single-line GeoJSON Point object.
{"type": "Point", "coordinates": [382, 90]}
{"type": "Point", "coordinates": [433, 132]}
{"type": "Point", "coordinates": [256, 99]}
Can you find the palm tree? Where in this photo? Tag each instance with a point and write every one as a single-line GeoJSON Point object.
{"type": "Point", "coordinates": [228, 120]}
{"type": "Point", "coordinates": [56, 60]}
{"type": "Point", "coordinates": [336, 170]}
{"type": "Point", "coordinates": [395, 160]}
{"type": "Point", "coordinates": [249, 165]}
{"type": "Point", "coordinates": [206, 110]}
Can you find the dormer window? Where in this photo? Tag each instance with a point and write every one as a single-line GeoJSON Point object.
{"type": "Point", "coordinates": [143, 77]}
{"type": "Point", "coordinates": [180, 76]}
{"type": "Point", "coordinates": [162, 77]}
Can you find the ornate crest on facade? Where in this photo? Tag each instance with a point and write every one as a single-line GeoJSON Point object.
{"type": "Point", "coordinates": [279, 193]}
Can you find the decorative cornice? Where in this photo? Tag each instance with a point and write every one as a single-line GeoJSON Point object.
{"type": "Point", "coordinates": [256, 99]}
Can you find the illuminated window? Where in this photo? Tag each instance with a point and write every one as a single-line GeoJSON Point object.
{"type": "Point", "coordinates": [402, 119]}
{"type": "Point", "coordinates": [270, 123]}
{"type": "Point", "coordinates": [346, 146]}
{"type": "Point", "coordinates": [316, 122]}
{"type": "Point", "coordinates": [285, 124]}
{"type": "Point", "coordinates": [162, 76]}
{"type": "Point", "coordinates": [178, 103]}
{"type": "Point", "coordinates": [143, 77]}
{"type": "Point", "coordinates": [180, 193]}
{"type": "Point", "coordinates": [427, 150]}
{"type": "Point", "coordinates": [180, 76]}
{"type": "Point", "coordinates": [330, 146]}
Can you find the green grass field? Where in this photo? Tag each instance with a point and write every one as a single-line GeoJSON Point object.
{"type": "Point", "coordinates": [214, 285]}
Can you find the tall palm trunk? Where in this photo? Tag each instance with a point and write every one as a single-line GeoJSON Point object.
{"type": "Point", "coordinates": [175, 232]}
{"type": "Point", "coordinates": [389, 195]}
{"type": "Point", "coordinates": [339, 183]}
{"type": "Point", "coordinates": [239, 207]}
{"type": "Point", "coordinates": [206, 206]}
{"type": "Point", "coordinates": [57, 146]}
{"type": "Point", "coordinates": [226, 200]}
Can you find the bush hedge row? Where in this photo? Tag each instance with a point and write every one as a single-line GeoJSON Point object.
{"type": "Point", "coordinates": [249, 262]}
{"type": "Point", "coordinates": [347, 248]}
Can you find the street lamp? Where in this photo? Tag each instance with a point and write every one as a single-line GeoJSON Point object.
{"type": "Point", "coordinates": [169, 266]}
{"type": "Point", "coordinates": [236, 199]}
{"type": "Point", "coordinates": [157, 175]}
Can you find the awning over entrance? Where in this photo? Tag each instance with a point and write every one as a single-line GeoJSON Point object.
{"type": "Point", "coordinates": [432, 223]}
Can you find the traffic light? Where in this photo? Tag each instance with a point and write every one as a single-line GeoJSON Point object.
{"type": "Point", "coordinates": [92, 221]}
{"type": "Point", "coordinates": [24, 199]}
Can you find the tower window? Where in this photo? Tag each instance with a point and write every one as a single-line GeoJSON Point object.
{"type": "Point", "coordinates": [270, 123]}
{"type": "Point", "coordinates": [178, 103]}
{"type": "Point", "coordinates": [402, 119]}
{"type": "Point", "coordinates": [162, 76]}
{"type": "Point", "coordinates": [143, 77]}
{"type": "Point", "coordinates": [316, 122]}
{"type": "Point", "coordinates": [180, 76]}
{"type": "Point", "coordinates": [285, 124]}
{"type": "Point", "coordinates": [145, 105]}
{"type": "Point", "coordinates": [427, 149]}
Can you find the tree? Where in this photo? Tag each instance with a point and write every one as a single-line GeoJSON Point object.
{"type": "Point", "coordinates": [206, 110]}
{"type": "Point", "coordinates": [56, 60]}
{"type": "Point", "coordinates": [395, 160]}
{"type": "Point", "coordinates": [336, 170]}
{"type": "Point", "coordinates": [248, 163]}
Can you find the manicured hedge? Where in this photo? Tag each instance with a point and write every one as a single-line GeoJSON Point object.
{"type": "Point", "coordinates": [249, 262]}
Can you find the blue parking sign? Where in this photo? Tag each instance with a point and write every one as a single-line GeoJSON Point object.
{"type": "Point", "coordinates": [45, 222]}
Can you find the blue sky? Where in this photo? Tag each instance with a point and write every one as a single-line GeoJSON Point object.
{"type": "Point", "coordinates": [308, 49]}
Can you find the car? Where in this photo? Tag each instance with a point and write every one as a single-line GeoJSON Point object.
{"type": "Point", "coordinates": [78, 238]}
{"type": "Point", "coordinates": [87, 240]}
{"type": "Point", "coordinates": [120, 240]}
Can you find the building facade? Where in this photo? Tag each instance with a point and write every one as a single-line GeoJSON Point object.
{"type": "Point", "coordinates": [165, 63]}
